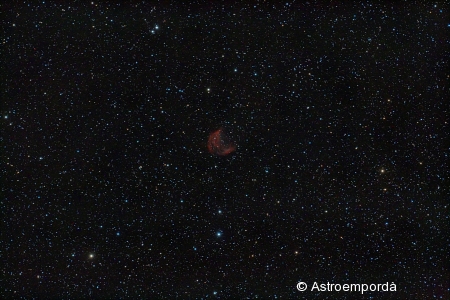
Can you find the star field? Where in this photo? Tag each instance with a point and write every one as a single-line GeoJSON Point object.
{"type": "Point", "coordinates": [339, 119]}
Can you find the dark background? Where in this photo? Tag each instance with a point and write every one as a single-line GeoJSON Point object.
{"type": "Point", "coordinates": [340, 117]}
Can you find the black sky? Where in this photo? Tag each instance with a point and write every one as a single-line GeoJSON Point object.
{"type": "Point", "coordinates": [340, 174]}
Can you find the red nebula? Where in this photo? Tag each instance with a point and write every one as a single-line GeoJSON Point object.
{"type": "Point", "coordinates": [218, 143]}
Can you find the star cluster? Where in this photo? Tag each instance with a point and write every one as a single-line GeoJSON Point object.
{"type": "Point", "coordinates": [339, 114]}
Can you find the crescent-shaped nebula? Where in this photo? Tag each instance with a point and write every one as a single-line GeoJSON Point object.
{"type": "Point", "coordinates": [219, 143]}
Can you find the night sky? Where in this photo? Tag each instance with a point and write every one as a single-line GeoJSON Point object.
{"type": "Point", "coordinates": [328, 124]}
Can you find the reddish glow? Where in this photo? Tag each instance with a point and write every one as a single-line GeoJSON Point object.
{"type": "Point", "coordinates": [218, 143]}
